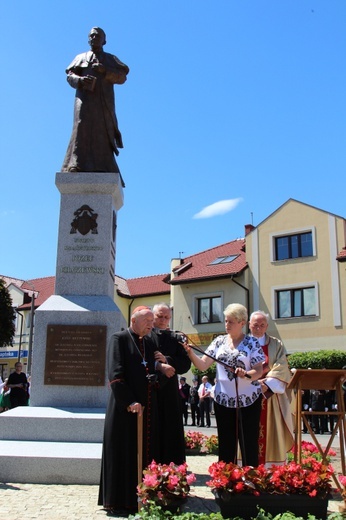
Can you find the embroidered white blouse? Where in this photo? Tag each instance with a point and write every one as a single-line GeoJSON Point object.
{"type": "Point", "coordinates": [248, 354]}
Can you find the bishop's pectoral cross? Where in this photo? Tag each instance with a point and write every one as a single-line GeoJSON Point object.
{"type": "Point", "coordinates": [142, 351]}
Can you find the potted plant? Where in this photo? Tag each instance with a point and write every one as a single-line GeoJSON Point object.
{"type": "Point", "coordinates": [195, 443]}
{"type": "Point", "coordinates": [299, 488]}
{"type": "Point", "coordinates": [309, 449]}
{"type": "Point", "coordinates": [212, 444]}
{"type": "Point", "coordinates": [167, 485]}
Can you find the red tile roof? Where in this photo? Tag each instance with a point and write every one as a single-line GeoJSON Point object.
{"type": "Point", "coordinates": [198, 267]}
{"type": "Point", "coordinates": [147, 286]}
{"type": "Point", "coordinates": [121, 286]}
{"type": "Point", "coordinates": [8, 280]}
{"type": "Point", "coordinates": [43, 288]}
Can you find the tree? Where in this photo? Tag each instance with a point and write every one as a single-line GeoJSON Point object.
{"type": "Point", "coordinates": [7, 316]}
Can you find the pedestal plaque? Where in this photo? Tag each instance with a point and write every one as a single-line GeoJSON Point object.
{"type": "Point", "coordinates": [75, 355]}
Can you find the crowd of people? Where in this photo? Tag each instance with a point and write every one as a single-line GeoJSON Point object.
{"type": "Point", "coordinates": [150, 398]}
{"type": "Point", "coordinates": [319, 401]}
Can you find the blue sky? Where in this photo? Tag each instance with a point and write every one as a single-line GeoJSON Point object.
{"type": "Point", "coordinates": [231, 108]}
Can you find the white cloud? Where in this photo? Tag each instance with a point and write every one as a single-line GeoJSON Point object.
{"type": "Point", "coordinates": [218, 208]}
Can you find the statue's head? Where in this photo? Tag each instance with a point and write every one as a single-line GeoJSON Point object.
{"type": "Point", "coordinates": [97, 33]}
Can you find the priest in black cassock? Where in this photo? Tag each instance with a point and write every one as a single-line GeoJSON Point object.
{"type": "Point", "coordinates": [130, 362]}
{"type": "Point", "coordinates": [172, 360]}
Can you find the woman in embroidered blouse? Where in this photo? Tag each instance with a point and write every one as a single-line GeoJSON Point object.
{"type": "Point", "coordinates": [237, 401]}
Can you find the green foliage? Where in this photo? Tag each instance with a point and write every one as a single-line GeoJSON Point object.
{"type": "Point", "coordinates": [211, 372]}
{"type": "Point", "coordinates": [319, 359]}
{"type": "Point", "coordinates": [7, 316]}
{"type": "Point", "coordinates": [154, 512]}
{"type": "Point", "coordinates": [157, 513]}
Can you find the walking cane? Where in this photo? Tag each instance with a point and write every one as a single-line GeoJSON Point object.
{"type": "Point", "coordinates": [239, 429]}
{"type": "Point", "coordinates": [239, 422]}
{"type": "Point", "coordinates": [223, 363]}
{"type": "Point", "coordinates": [140, 451]}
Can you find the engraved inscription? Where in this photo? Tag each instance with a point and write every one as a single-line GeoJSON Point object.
{"type": "Point", "coordinates": [75, 355]}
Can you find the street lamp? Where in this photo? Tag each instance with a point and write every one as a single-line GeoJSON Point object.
{"type": "Point", "coordinates": [21, 334]}
{"type": "Point", "coordinates": [31, 332]}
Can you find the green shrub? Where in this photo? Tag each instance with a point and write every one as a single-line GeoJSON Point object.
{"type": "Point", "coordinates": [211, 372]}
{"type": "Point", "coordinates": [156, 513]}
{"type": "Point", "coordinates": [319, 359]}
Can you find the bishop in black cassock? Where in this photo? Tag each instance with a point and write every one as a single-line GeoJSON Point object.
{"type": "Point", "coordinates": [130, 362]}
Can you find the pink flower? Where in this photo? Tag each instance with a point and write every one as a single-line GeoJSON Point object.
{"type": "Point", "coordinates": [190, 478]}
{"type": "Point", "coordinates": [342, 479]}
{"type": "Point", "coordinates": [161, 481]}
{"type": "Point", "coordinates": [173, 481]}
{"type": "Point", "coordinates": [150, 480]}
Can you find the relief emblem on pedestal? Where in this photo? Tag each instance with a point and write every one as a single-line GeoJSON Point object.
{"type": "Point", "coordinates": [84, 221]}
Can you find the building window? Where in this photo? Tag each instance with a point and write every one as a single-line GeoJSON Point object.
{"type": "Point", "coordinates": [297, 302]}
{"type": "Point", "coordinates": [293, 246]}
{"type": "Point", "coordinates": [209, 309]}
{"type": "Point", "coordinates": [224, 259]}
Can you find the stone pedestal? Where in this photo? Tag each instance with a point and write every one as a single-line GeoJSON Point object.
{"type": "Point", "coordinates": [72, 327]}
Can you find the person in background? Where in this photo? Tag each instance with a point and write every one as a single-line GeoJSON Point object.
{"type": "Point", "coordinates": [276, 427]}
{"type": "Point", "coordinates": [18, 384]}
{"type": "Point", "coordinates": [184, 390]}
{"type": "Point", "coordinates": [212, 396]}
{"type": "Point", "coordinates": [237, 393]}
{"type": "Point", "coordinates": [2, 386]}
{"type": "Point", "coordinates": [305, 407]}
{"type": "Point", "coordinates": [204, 393]}
{"type": "Point", "coordinates": [133, 391]}
{"type": "Point", "coordinates": [317, 404]}
{"type": "Point", "coordinates": [330, 405]}
{"type": "Point", "coordinates": [171, 359]}
{"type": "Point", "coordinates": [194, 403]}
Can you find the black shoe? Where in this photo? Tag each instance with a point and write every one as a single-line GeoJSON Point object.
{"type": "Point", "coordinates": [123, 513]}
{"type": "Point", "coordinates": [193, 424]}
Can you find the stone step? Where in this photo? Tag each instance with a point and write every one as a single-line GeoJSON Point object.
{"type": "Point", "coordinates": [50, 462]}
{"type": "Point", "coordinates": [28, 423]}
{"type": "Point", "coordinates": [45, 445]}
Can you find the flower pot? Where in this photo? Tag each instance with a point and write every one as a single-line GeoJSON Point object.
{"type": "Point", "coordinates": [246, 506]}
{"type": "Point", "coordinates": [175, 504]}
{"type": "Point", "coordinates": [193, 451]}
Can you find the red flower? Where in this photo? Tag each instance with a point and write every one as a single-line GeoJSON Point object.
{"type": "Point", "coordinates": [311, 477]}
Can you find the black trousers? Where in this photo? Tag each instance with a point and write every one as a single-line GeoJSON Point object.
{"type": "Point", "coordinates": [204, 408]}
{"type": "Point", "coordinates": [184, 409]}
{"type": "Point", "coordinates": [238, 425]}
{"type": "Point", "coordinates": [195, 413]}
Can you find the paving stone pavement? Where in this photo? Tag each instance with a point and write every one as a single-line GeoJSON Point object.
{"type": "Point", "coordinates": [79, 502]}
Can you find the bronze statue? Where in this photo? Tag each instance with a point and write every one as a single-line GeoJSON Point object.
{"type": "Point", "coordinates": [95, 135]}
